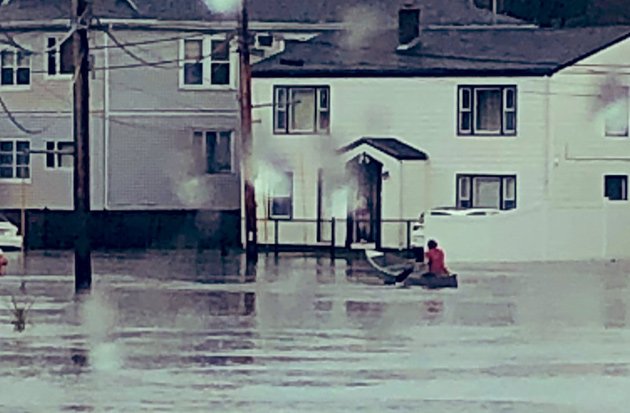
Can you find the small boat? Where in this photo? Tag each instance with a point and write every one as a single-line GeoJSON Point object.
{"type": "Point", "coordinates": [432, 281]}
{"type": "Point", "coordinates": [405, 273]}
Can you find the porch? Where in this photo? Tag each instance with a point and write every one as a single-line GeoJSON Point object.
{"type": "Point", "coordinates": [330, 234]}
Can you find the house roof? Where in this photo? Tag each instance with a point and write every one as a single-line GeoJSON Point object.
{"type": "Point", "coordinates": [391, 146]}
{"type": "Point", "coordinates": [442, 52]}
{"type": "Point", "coordinates": [29, 10]}
{"type": "Point", "coordinates": [301, 11]}
{"type": "Point", "coordinates": [354, 11]}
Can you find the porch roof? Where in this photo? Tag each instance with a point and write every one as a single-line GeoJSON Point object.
{"type": "Point", "coordinates": [390, 146]}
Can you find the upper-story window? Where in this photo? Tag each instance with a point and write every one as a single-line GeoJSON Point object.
{"type": "Point", "coordinates": [616, 113]}
{"type": "Point", "coordinates": [301, 109]}
{"type": "Point", "coordinates": [206, 62]}
{"type": "Point", "coordinates": [16, 68]}
{"type": "Point", "coordinates": [486, 110]}
{"type": "Point", "coordinates": [60, 59]}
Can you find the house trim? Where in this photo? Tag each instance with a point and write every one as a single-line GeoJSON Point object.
{"type": "Point", "coordinates": [393, 73]}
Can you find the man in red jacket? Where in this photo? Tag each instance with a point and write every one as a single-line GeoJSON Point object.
{"type": "Point", "coordinates": [435, 260]}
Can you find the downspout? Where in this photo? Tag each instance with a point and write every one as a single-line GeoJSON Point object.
{"type": "Point", "coordinates": [548, 152]}
{"type": "Point", "coordinates": [303, 190]}
{"type": "Point", "coordinates": [548, 138]}
{"type": "Point", "coordinates": [401, 226]}
{"type": "Point", "coordinates": [106, 115]}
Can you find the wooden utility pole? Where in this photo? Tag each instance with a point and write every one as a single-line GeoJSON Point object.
{"type": "Point", "coordinates": [81, 112]}
{"type": "Point", "coordinates": [245, 98]}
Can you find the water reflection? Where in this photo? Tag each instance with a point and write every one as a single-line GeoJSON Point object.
{"type": "Point", "coordinates": [615, 298]}
{"type": "Point", "coordinates": [162, 306]}
{"type": "Point", "coordinates": [433, 310]}
{"type": "Point", "coordinates": [363, 311]}
{"type": "Point", "coordinates": [222, 303]}
{"type": "Point", "coordinates": [196, 332]}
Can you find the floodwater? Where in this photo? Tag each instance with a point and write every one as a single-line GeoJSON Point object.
{"type": "Point", "coordinates": [191, 332]}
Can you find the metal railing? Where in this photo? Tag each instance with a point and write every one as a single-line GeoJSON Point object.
{"type": "Point", "coordinates": [323, 233]}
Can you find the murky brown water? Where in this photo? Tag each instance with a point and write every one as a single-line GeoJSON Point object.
{"type": "Point", "coordinates": [188, 332]}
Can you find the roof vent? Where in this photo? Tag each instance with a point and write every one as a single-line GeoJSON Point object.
{"type": "Point", "coordinates": [408, 26]}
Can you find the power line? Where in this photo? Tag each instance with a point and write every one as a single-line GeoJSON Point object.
{"type": "Point", "coordinates": [131, 54]}
{"type": "Point", "coordinates": [16, 123]}
{"type": "Point", "coordinates": [151, 41]}
{"type": "Point", "coordinates": [13, 42]}
{"type": "Point", "coordinates": [142, 62]}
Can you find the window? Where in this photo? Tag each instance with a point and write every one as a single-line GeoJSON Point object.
{"type": "Point", "coordinates": [281, 197]}
{"type": "Point", "coordinates": [301, 109]}
{"type": "Point", "coordinates": [486, 191]}
{"type": "Point", "coordinates": [60, 57]}
{"type": "Point", "coordinates": [59, 160]}
{"type": "Point", "coordinates": [217, 150]}
{"type": "Point", "coordinates": [206, 62]}
{"type": "Point", "coordinates": [14, 159]}
{"type": "Point", "coordinates": [486, 110]}
{"type": "Point", "coordinates": [616, 187]}
{"type": "Point", "coordinates": [616, 114]}
{"type": "Point", "coordinates": [264, 40]}
{"type": "Point", "coordinates": [16, 68]}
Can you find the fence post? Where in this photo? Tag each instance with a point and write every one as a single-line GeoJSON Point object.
{"type": "Point", "coordinates": [276, 226]}
{"type": "Point", "coordinates": [332, 238]}
{"type": "Point", "coordinates": [408, 234]}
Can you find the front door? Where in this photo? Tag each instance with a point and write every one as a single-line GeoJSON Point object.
{"type": "Point", "coordinates": [364, 200]}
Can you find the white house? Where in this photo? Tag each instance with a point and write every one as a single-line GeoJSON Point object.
{"type": "Point", "coordinates": [372, 129]}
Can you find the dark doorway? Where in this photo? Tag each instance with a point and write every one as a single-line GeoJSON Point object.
{"type": "Point", "coordinates": [364, 200]}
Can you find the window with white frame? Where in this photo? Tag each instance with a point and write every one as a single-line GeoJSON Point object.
{"type": "Point", "coordinates": [60, 60]}
{"type": "Point", "coordinates": [486, 191]}
{"type": "Point", "coordinates": [301, 109]}
{"type": "Point", "coordinates": [616, 114]}
{"type": "Point", "coordinates": [206, 62]}
{"type": "Point", "coordinates": [486, 110]}
{"type": "Point", "coordinates": [281, 196]}
{"type": "Point", "coordinates": [15, 160]}
{"type": "Point", "coordinates": [16, 68]}
{"type": "Point", "coordinates": [59, 155]}
{"type": "Point", "coordinates": [217, 149]}
{"type": "Point", "coordinates": [616, 187]}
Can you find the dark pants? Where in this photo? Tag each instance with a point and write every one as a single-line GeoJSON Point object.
{"type": "Point", "coordinates": [418, 254]}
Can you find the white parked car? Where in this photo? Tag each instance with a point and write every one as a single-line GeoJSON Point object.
{"type": "Point", "coordinates": [417, 229]}
{"type": "Point", "coordinates": [9, 238]}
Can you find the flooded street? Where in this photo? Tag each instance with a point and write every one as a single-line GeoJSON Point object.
{"type": "Point", "coordinates": [190, 332]}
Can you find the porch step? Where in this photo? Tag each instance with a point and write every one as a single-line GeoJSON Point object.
{"type": "Point", "coordinates": [363, 246]}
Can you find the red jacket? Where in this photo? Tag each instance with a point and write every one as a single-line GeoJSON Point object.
{"type": "Point", "coordinates": [435, 258]}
